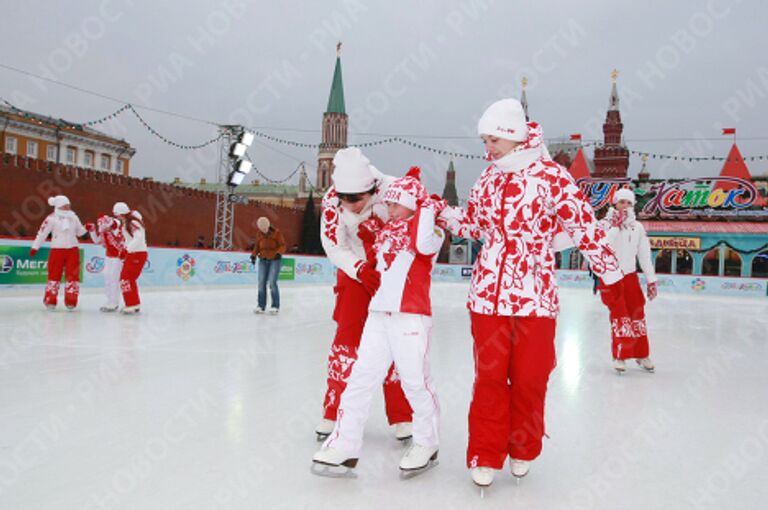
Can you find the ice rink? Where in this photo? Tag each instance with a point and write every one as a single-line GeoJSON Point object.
{"type": "Point", "coordinates": [197, 403]}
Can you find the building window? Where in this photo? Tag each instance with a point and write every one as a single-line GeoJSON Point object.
{"type": "Point", "coordinates": [711, 263]}
{"type": "Point", "coordinates": [120, 166]}
{"type": "Point", "coordinates": [732, 262]}
{"type": "Point", "coordinates": [683, 262]}
{"type": "Point", "coordinates": [31, 149]}
{"type": "Point", "coordinates": [71, 155]}
{"type": "Point", "coordinates": [664, 261]}
{"type": "Point", "coordinates": [760, 265]}
{"type": "Point", "coordinates": [10, 145]}
{"type": "Point", "coordinates": [52, 152]}
{"type": "Point", "coordinates": [88, 159]}
{"type": "Point", "coordinates": [106, 162]}
{"type": "Point", "coordinates": [576, 260]}
{"type": "Point", "coordinates": [558, 260]}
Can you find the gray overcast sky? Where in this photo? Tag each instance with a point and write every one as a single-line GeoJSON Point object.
{"type": "Point", "coordinates": [688, 68]}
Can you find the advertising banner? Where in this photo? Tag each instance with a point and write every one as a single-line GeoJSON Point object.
{"type": "Point", "coordinates": [18, 268]}
{"type": "Point", "coordinates": [173, 267]}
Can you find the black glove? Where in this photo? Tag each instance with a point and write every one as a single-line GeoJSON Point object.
{"type": "Point", "coordinates": [253, 259]}
{"type": "Point", "coordinates": [278, 256]}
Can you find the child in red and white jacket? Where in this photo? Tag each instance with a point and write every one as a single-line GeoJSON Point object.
{"type": "Point", "coordinates": [64, 227]}
{"type": "Point", "coordinates": [108, 233]}
{"type": "Point", "coordinates": [398, 328]}
{"type": "Point", "coordinates": [134, 256]}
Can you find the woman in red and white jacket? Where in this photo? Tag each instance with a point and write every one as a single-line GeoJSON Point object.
{"type": "Point", "coordinates": [64, 227]}
{"type": "Point", "coordinates": [516, 206]}
{"type": "Point", "coordinates": [628, 239]}
{"type": "Point", "coordinates": [134, 256]}
{"type": "Point", "coordinates": [108, 232]}
{"type": "Point", "coordinates": [398, 329]}
{"type": "Point", "coordinates": [355, 196]}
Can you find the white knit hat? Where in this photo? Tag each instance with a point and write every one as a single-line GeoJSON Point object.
{"type": "Point", "coordinates": [353, 172]}
{"type": "Point", "coordinates": [120, 208]}
{"type": "Point", "coordinates": [58, 201]}
{"type": "Point", "coordinates": [407, 191]}
{"type": "Point", "coordinates": [263, 223]}
{"type": "Point", "coordinates": [624, 194]}
{"type": "Point", "coordinates": [504, 119]}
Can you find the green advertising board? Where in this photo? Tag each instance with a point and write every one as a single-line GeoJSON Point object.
{"type": "Point", "coordinates": [18, 268]}
{"type": "Point", "coordinates": [287, 269]}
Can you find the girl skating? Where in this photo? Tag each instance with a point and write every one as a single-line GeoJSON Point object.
{"type": "Point", "coordinates": [398, 329]}
{"type": "Point", "coordinates": [515, 207]}
{"type": "Point", "coordinates": [628, 239]}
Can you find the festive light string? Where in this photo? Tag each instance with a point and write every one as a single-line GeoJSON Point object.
{"type": "Point", "coordinates": [269, 179]}
{"type": "Point", "coordinates": [113, 115]}
{"type": "Point", "coordinates": [383, 141]}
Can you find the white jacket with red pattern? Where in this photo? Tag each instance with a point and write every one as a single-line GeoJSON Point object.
{"type": "Point", "coordinates": [515, 207]}
{"type": "Point", "coordinates": [338, 227]}
{"type": "Point", "coordinates": [405, 253]}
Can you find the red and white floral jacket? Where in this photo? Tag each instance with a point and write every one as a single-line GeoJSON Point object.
{"type": "Point", "coordinates": [338, 226]}
{"type": "Point", "coordinates": [516, 206]}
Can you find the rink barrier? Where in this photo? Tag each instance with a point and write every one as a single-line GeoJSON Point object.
{"type": "Point", "coordinates": [175, 267]}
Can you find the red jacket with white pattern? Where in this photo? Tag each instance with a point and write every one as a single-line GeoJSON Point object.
{"type": "Point", "coordinates": [516, 206]}
{"type": "Point", "coordinates": [109, 234]}
{"type": "Point", "coordinates": [404, 252]}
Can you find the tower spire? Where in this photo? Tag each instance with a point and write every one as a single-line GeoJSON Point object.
{"type": "Point", "coordinates": [524, 98]}
{"type": "Point", "coordinates": [336, 97]}
{"type": "Point", "coordinates": [612, 159]}
{"type": "Point", "coordinates": [613, 102]}
{"type": "Point", "coordinates": [335, 123]}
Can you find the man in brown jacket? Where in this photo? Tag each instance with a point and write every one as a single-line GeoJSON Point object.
{"type": "Point", "coordinates": [269, 248]}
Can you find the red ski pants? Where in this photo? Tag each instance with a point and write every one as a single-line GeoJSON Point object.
{"type": "Point", "coordinates": [132, 266]}
{"type": "Point", "coordinates": [350, 314]}
{"type": "Point", "coordinates": [513, 359]}
{"type": "Point", "coordinates": [66, 261]}
{"type": "Point", "coordinates": [629, 335]}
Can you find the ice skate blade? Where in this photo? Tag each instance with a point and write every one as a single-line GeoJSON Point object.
{"type": "Point", "coordinates": [331, 471]}
{"type": "Point", "coordinates": [407, 474]}
{"type": "Point", "coordinates": [650, 370]}
{"type": "Point", "coordinates": [321, 437]}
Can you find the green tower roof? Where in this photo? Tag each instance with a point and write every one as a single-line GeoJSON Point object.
{"type": "Point", "coordinates": [336, 99]}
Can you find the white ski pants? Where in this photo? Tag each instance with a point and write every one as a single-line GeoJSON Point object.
{"type": "Point", "coordinates": [389, 336]}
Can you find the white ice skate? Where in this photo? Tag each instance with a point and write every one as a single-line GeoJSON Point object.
{"type": "Point", "coordinates": [333, 463]}
{"type": "Point", "coordinates": [519, 467]}
{"type": "Point", "coordinates": [130, 310]}
{"type": "Point", "coordinates": [258, 311]}
{"type": "Point", "coordinates": [273, 311]}
{"type": "Point", "coordinates": [646, 364]}
{"type": "Point", "coordinates": [107, 309]}
{"type": "Point", "coordinates": [417, 460]}
{"type": "Point", "coordinates": [324, 429]}
{"type": "Point", "coordinates": [619, 365]}
{"type": "Point", "coordinates": [403, 431]}
{"type": "Point", "coordinates": [483, 478]}
{"type": "Point", "coordinates": [71, 307]}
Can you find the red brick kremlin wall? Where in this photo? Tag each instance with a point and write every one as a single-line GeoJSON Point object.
{"type": "Point", "coordinates": [172, 215]}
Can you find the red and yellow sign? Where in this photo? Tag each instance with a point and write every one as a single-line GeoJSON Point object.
{"type": "Point", "coordinates": [675, 243]}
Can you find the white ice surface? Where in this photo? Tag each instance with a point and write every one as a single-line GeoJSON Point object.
{"type": "Point", "coordinates": [197, 403]}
